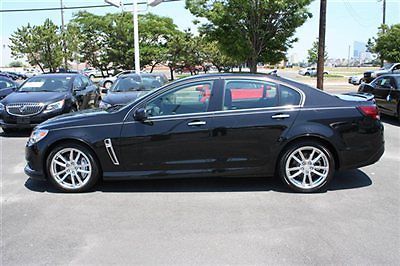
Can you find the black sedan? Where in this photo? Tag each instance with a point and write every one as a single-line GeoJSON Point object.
{"type": "Point", "coordinates": [386, 91]}
{"type": "Point", "coordinates": [7, 86]}
{"type": "Point", "coordinates": [128, 87]}
{"type": "Point", "coordinates": [231, 125]}
{"type": "Point", "coordinates": [44, 96]}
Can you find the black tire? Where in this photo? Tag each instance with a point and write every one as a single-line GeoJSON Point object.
{"type": "Point", "coordinates": [91, 77]}
{"type": "Point", "coordinates": [92, 178]}
{"type": "Point", "coordinates": [307, 74]}
{"type": "Point", "coordinates": [302, 144]}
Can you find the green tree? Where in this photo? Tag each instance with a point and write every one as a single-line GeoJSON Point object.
{"type": "Point", "coordinates": [252, 30]}
{"type": "Point", "coordinates": [312, 56]}
{"type": "Point", "coordinates": [40, 44]}
{"type": "Point", "coordinates": [387, 43]}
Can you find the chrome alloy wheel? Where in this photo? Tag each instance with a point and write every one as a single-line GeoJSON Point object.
{"type": "Point", "coordinates": [71, 168]}
{"type": "Point", "coordinates": [307, 167]}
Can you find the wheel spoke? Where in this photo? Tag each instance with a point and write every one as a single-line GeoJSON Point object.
{"type": "Point", "coordinates": [311, 155]}
{"type": "Point", "coordinates": [62, 158]}
{"type": "Point", "coordinates": [63, 178]}
{"type": "Point", "coordinates": [297, 159]}
{"type": "Point", "coordinates": [71, 155]}
{"type": "Point", "coordinates": [77, 157]}
{"type": "Point", "coordinates": [317, 158]}
{"type": "Point", "coordinates": [317, 167]}
{"type": "Point", "coordinates": [310, 179]}
{"type": "Point", "coordinates": [79, 178]}
{"type": "Point", "coordinates": [60, 163]}
{"type": "Point", "coordinates": [296, 174]}
{"type": "Point", "coordinates": [318, 173]}
{"type": "Point", "coordinates": [294, 168]}
{"type": "Point", "coordinates": [61, 172]}
{"type": "Point", "coordinates": [83, 171]}
{"type": "Point", "coordinates": [304, 179]}
{"type": "Point", "coordinates": [302, 156]}
{"type": "Point", "coordinates": [73, 180]}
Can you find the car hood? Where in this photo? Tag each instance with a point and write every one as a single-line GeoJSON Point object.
{"type": "Point", "coordinates": [81, 118]}
{"type": "Point", "coordinates": [34, 97]}
{"type": "Point", "coordinates": [114, 98]}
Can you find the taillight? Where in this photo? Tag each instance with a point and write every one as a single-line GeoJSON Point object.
{"type": "Point", "coordinates": [370, 111]}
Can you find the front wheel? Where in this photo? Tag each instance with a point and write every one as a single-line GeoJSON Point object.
{"type": "Point", "coordinates": [307, 166]}
{"type": "Point", "coordinates": [72, 168]}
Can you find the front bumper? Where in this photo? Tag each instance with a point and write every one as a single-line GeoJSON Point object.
{"type": "Point", "coordinates": [34, 161]}
{"type": "Point", "coordinates": [26, 122]}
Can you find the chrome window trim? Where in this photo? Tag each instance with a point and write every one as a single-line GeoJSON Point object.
{"type": "Point", "coordinates": [234, 77]}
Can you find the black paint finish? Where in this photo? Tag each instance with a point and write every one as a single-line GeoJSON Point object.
{"type": "Point", "coordinates": [223, 142]}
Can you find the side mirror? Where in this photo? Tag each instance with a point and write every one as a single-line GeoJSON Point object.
{"type": "Point", "coordinates": [140, 114]}
{"type": "Point", "coordinates": [78, 88]}
{"type": "Point", "coordinates": [105, 91]}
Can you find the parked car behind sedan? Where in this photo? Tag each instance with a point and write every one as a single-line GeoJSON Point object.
{"type": "Point", "coordinates": [356, 80]}
{"type": "Point", "coordinates": [390, 68]}
{"type": "Point", "coordinates": [44, 96]}
{"type": "Point", "coordinates": [386, 91]}
{"type": "Point", "coordinates": [130, 87]}
{"type": "Point", "coordinates": [109, 81]}
{"type": "Point", "coordinates": [310, 71]}
{"type": "Point", "coordinates": [7, 86]}
{"type": "Point", "coordinates": [290, 130]}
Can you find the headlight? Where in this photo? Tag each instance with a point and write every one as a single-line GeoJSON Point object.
{"type": "Point", "coordinates": [104, 105]}
{"type": "Point", "coordinates": [37, 135]}
{"type": "Point", "coordinates": [55, 106]}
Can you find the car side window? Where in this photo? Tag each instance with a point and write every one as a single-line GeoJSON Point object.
{"type": "Point", "coordinates": [385, 83]}
{"type": "Point", "coordinates": [243, 94]}
{"type": "Point", "coordinates": [396, 69]}
{"type": "Point", "coordinates": [5, 84]}
{"type": "Point", "coordinates": [78, 82]}
{"type": "Point", "coordinates": [288, 96]}
{"type": "Point", "coordinates": [187, 99]}
{"type": "Point", "coordinates": [86, 81]}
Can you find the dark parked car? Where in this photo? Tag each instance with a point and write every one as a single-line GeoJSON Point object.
{"type": "Point", "coordinates": [44, 96]}
{"type": "Point", "coordinates": [128, 87]}
{"type": "Point", "coordinates": [290, 129]}
{"type": "Point", "coordinates": [386, 90]}
{"type": "Point", "coordinates": [7, 86]}
{"type": "Point", "coordinates": [391, 68]}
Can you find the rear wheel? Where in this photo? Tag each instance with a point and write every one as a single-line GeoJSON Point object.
{"type": "Point", "coordinates": [72, 168]}
{"type": "Point", "coordinates": [307, 166]}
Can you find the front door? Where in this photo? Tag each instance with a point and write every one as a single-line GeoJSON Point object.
{"type": "Point", "coordinates": [382, 92]}
{"type": "Point", "coordinates": [176, 137]}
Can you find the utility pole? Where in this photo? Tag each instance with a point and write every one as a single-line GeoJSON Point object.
{"type": "Point", "coordinates": [348, 57]}
{"type": "Point", "coordinates": [136, 35]}
{"type": "Point", "coordinates": [384, 12]}
{"type": "Point", "coordinates": [321, 45]}
{"type": "Point", "coordinates": [63, 36]}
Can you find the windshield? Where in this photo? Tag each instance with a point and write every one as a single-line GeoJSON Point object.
{"type": "Point", "coordinates": [387, 66]}
{"type": "Point", "coordinates": [47, 84]}
{"type": "Point", "coordinates": [136, 83]}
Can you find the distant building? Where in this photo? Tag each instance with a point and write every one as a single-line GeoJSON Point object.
{"type": "Point", "coordinates": [358, 49]}
{"type": "Point", "coordinates": [6, 57]}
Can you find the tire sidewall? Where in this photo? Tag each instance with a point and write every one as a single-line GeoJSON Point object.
{"type": "Point", "coordinates": [94, 177]}
{"type": "Point", "coordinates": [295, 146]}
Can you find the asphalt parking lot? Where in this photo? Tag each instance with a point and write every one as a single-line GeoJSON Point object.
{"type": "Point", "coordinates": [202, 221]}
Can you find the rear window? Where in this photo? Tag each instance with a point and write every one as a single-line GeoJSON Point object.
{"type": "Point", "coordinates": [288, 96]}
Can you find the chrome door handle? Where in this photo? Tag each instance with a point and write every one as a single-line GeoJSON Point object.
{"type": "Point", "coordinates": [196, 123]}
{"type": "Point", "coordinates": [280, 116]}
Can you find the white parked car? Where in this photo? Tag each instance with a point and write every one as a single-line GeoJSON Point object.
{"type": "Point", "coordinates": [356, 80]}
{"type": "Point", "coordinates": [30, 72]}
{"type": "Point", "coordinates": [109, 81]}
{"type": "Point", "coordinates": [92, 73]}
{"type": "Point", "coordinates": [310, 71]}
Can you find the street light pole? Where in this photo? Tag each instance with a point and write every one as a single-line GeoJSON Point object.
{"type": "Point", "coordinates": [136, 35]}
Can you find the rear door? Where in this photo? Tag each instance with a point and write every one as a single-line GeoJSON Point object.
{"type": "Point", "coordinates": [248, 128]}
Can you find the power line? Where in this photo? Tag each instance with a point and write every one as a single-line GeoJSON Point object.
{"type": "Point", "coordinates": [59, 8]}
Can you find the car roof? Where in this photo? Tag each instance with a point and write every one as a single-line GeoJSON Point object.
{"type": "Point", "coordinates": [58, 75]}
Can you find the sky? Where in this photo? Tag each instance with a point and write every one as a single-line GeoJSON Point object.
{"type": "Point", "coordinates": [347, 20]}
